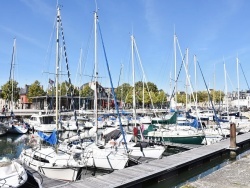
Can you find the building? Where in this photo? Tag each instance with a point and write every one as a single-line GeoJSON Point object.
{"type": "Point", "coordinates": [242, 101]}
{"type": "Point", "coordinates": [24, 102]}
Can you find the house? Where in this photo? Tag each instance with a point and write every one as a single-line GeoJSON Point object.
{"type": "Point", "coordinates": [24, 101]}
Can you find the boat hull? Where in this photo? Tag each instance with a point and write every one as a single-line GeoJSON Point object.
{"type": "Point", "coordinates": [178, 139]}
{"type": "Point", "coordinates": [13, 175]}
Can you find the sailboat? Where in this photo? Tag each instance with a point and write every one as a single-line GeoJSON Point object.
{"type": "Point", "coordinates": [136, 148]}
{"type": "Point", "coordinates": [99, 156]}
{"type": "Point", "coordinates": [12, 174]}
{"type": "Point", "coordinates": [188, 134]}
{"type": "Point", "coordinates": [48, 160]}
{"type": "Point", "coordinates": [13, 125]}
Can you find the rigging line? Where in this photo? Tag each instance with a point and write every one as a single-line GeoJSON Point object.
{"type": "Point", "coordinates": [67, 66]}
{"type": "Point", "coordinates": [210, 98]}
{"type": "Point", "coordinates": [120, 75]}
{"type": "Point", "coordinates": [244, 76]}
{"type": "Point", "coordinates": [112, 88]}
{"type": "Point", "coordinates": [66, 59]}
{"type": "Point", "coordinates": [231, 83]}
{"type": "Point", "coordinates": [47, 57]}
{"type": "Point", "coordinates": [144, 76]}
{"type": "Point", "coordinates": [86, 54]}
{"type": "Point", "coordinates": [11, 68]}
{"type": "Point", "coordinates": [172, 95]}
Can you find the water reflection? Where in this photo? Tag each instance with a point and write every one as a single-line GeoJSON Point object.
{"type": "Point", "coordinates": [11, 145]}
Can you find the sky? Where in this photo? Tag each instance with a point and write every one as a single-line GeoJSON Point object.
{"type": "Point", "coordinates": [216, 32]}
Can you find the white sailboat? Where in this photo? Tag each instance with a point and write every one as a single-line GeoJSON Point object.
{"type": "Point", "coordinates": [12, 174]}
{"type": "Point", "coordinates": [139, 148]}
{"type": "Point", "coordinates": [48, 160]}
{"type": "Point", "coordinates": [99, 156]}
{"type": "Point", "coordinates": [175, 133]}
{"type": "Point", "coordinates": [13, 125]}
{"type": "Point", "coordinates": [95, 154]}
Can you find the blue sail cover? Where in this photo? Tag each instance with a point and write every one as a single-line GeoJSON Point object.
{"type": "Point", "coordinates": [196, 124]}
{"type": "Point", "coordinates": [52, 139]}
{"type": "Point", "coordinates": [219, 120]}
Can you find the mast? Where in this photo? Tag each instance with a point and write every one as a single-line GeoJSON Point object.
{"type": "Point", "coordinates": [187, 81]}
{"type": "Point", "coordinates": [225, 74]}
{"type": "Point", "coordinates": [57, 62]}
{"type": "Point", "coordinates": [143, 97]}
{"type": "Point", "coordinates": [195, 80]}
{"type": "Point", "coordinates": [133, 75]}
{"type": "Point", "coordinates": [80, 77]}
{"type": "Point", "coordinates": [96, 71]}
{"type": "Point", "coordinates": [175, 70]}
{"type": "Point", "coordinates": [12, 74]}
{"type": "Point", "coordinates": [238, 80]}
{"type": "Point", "coordinates": [121, 70]}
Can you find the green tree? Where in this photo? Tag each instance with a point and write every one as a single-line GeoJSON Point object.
{"type": "Point", "coordinates": [217, 96]}
{"type": "Point", "coordinates": [65, 89]}
{"type": "Point", "coordinates": [181, 98]}
{"type": "Point", "coordinates": [35, 90]}
{"type": "Point", "coordinates": [152, 87]}
{"type": "Point", "coordinates": [129, 97]}
{"type": "Point", "coordinates": [154, 97]}
{"type": "Point", "coordinates": [122, 91]}
{"type": "Point", "coordinates": [161, 98]}
{"type": "Point", "coordinates": [87, 92]}
{"type": "Point", "coordinates": [7, 91]}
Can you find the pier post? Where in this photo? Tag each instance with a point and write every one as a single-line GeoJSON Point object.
{"type": "Point", "coordinates": [232, 146]}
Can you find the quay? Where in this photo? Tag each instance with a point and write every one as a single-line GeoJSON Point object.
{"type": "Point", "coordinates": [29, 112]}
{"type": "Point", "coordinates": [152, 172]}
{"type": "Point", "coordinates": [234, 175]}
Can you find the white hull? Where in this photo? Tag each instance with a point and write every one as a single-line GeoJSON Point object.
{"type": "Point", "coordinates": [105, 158]}
{"type": "Point", "coordinates": [46, 128]}
{"type": "Point", "coordinates": [68, 174]}
{"type": "Point", "coordinates": [53, 165]}
{"type": "Point", "coordinates": [12, 175]}
{"type": "Point", "coordinates": [149, 152]}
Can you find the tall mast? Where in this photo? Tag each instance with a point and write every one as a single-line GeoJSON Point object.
{"type": "Point", "coordinates": [225, 72]}
{"type": "Point", "coordinates": [57, 62]}
{"type": "Point", "coordinates": [175, 70]}
{"type": "Point", "coordinates": [238, 80]}
{"type": "Point", "coordinates": [133, 75]}
{"type": "Point", "coordinates": [187, 81]}
{"type": "Point", "coordinates": [214, 86]}
{"type": "Point", "coordinates": [12, 74]}
{"type": "Point", "coordinates": [80, 68]}
{"type": "Point", "coordinates": [195, 82]}
{"type": "Point", "coordinates": [96, 71]}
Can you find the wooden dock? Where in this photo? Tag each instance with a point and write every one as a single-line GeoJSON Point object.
{"type": "Point", "coordinates": [160, 169]}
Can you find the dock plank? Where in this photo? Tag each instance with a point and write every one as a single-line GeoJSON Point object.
{"type": "Point", "coordinates": [139, 173]}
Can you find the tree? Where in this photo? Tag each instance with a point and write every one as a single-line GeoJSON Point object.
{"type": "Point", "coordinates": [122, 91]}
{"type": "Point", "coordinates": [162, 98]}
{"type": "Point", "coordinates": [87, 92]}
{"type": "Point", "coordinates": [129, 97]}
{"type": "Point", "coordinates": [152, 87]}
{"type": "Point", "coordinates": [7, 91]}
{"type": "Point", "coordinates": [35, 90]}
{"type": "Point", "coordinates": [181, 98]}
